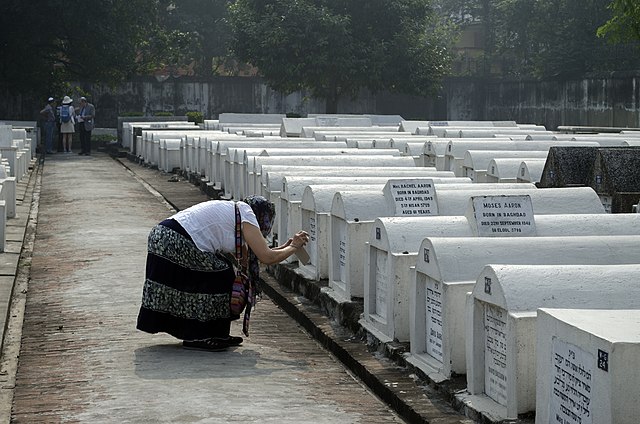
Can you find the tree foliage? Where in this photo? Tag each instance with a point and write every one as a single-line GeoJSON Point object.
{"type": "Point", "coordinates": [335, 48]}
{"type": "Point", "coordinates": [624, 25]}
{"type": "Point", "coordinates": [545, 38]}
{"type": "Point", "coordinates": [49, 41]}
{"type": "Point", "coordinates": [200, 32]}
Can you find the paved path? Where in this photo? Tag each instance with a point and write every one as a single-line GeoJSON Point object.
{"type": "Point", "coordinates": [82, 360]}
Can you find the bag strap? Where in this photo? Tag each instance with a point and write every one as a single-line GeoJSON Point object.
{"type": "Point", "coordinates": [238, 234]}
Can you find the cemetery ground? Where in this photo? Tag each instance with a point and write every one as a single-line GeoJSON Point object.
{"type": "Point", "coordinates": [71, 352]}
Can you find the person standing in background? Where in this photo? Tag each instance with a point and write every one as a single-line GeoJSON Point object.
{"type": "Point", "coordinates": [67, 123]}
{"type": "Point", "coordinates": [49, 116]}
{"type": "Point", "coordinates": [85, 125]}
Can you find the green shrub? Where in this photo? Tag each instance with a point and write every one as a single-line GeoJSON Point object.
{"type": "Point", "coordinates": [196, 117]}
{"type": "Point", "coordinates": [103, 139]}
{"type": "Point", "coordinates": [163, 114]}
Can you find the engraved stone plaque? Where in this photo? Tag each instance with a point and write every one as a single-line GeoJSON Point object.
{"type": "Point", "coordinates": [495, 353]}
{"type": "Point", "coordinates": [381, 284]}
{"type": "Point", "coordinates": [504, 216]}
{"type": "Point", "coordinates": [434, 319]}
{"type": "Point", "coordinates": [412, 197]}
{"type": "Point", "coordinates": [571, 373]}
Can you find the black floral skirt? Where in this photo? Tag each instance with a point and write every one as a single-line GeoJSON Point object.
{"type": "Point", "coordinates": [187, 292]}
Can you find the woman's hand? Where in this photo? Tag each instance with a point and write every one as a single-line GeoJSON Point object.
{"type": "Point", "coordinates": [267, 255]}
{"type": "Point", "coordinates": [300, 239]}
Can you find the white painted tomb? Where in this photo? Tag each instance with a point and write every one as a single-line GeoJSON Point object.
{"type": "Point", "coordinates": [492, 132]}
{"type": "Point", "coordinates": [235, 181]}
{"type": "Point", "coordinates": [353, 214]}
{"type": "Point", "coordinates": [453, 151]}
{"type": "Point", "coordinates": [250, 118]}
{"type": "Point", "coordinates": [586, 366]}
{"type": "Point", "coordinates": [170, 154]}
{"type": "Point", "coordinates": [152, 145]}
{"type": "Point", "coordinates": [315, 215]}
{"type": "Point", "coordinates": [202, 145]}
{"type": "Point", "coordinates": [290, 219]}
{"type": "Point", "coordinates": [315, 210]}
{"type": "Point", "coordinates": [292, 190]}
{"type": "Point", "coordinates": [394, 242]}
{"type": "Point", "coordinates": [454, 155]}
{"type": "Point", "coordinates": [455, 131]}
{"type": "Point", "coordinates": [271, 175]}
{"type": "Point", "coordinates": [247, 168]}
{"type": "Point", "coordinates": [505, 170]}
{"type": "Point", "coordinates": [448, 267]}
{"type": "Point", "coordinates": [129, 128]}
{"type": "Point", "coordinates": [319, 132]}
{"type": "Point", "coordinates": [530, 172]}
{"type": "Point", "coordinates": [501, 324]}
{"type": "Point", "coordinates": [328, 161]}
{"type": "Point", "coordinates": [553, 200]}
{"type": "Point", "coordinates": [476, 162]}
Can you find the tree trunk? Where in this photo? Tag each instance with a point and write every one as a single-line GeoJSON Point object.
{"type": "Point", "coordinates": [331, 105]}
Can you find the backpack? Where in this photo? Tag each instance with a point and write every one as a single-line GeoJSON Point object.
{"type": "Point", "coordinates": [65, 116]}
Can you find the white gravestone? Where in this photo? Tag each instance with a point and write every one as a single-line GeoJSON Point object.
{"type": "Point", "coordinates": [347, 161]}
{"type": "Point", "coordinates": [352, 215]}
{"type": "Point", "coordinates": [293, 188]}
{"type": "Point", "coordinates": [235, 158]}
{"type": "Point", "coordinates": [501, 330]}
{"type": "Point", "coordinates": [170, 154]}
{"type": "Point", "coordinates": [315, 209]}
{"type": "Point", "coordinates": [506, 170]}
{"type": "Point", "coordinates": [476, 162]}
{"type": "Point", "coordinates": [447, 268]}
{"type": "Point", "coordinates": [585, 366]}
{"type": "Point", "coordinates": [394, 243]}
{"type": "Point", "coordinates": [251, 173]}
{"type": "Point", "coordinates": [315, 215]}
{"type": "Point", "coordinates": [274, 174]}
{"type": "Point", "coordinates": [454, 155]}
{"type": "Point", "coordinates": [271, 177]}
{"type": "Point", "coordinates": [436, 150]}
{"type": "Point", "coordinates": [530, 172]}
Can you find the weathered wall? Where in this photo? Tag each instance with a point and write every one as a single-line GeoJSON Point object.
{"type": "Point", "coordinates": [610, 101]}
{"type": "Point", "coordinates": [603, 102]}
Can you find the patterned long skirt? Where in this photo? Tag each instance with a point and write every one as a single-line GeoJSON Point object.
{"type": "Point", "coordinates": [187, 292]}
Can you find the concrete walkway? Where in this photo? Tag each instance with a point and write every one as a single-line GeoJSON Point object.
{"type": "Point", "coordinates": [71, 351]}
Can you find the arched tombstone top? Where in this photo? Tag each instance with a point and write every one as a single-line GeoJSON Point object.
{"type": "Point", "coordinates": [457, 148]}
{"type": "Point", "coordinates": [452, 259]}
{"type": "Point", "coordinates": [570, 200]}
{"type": "Point", "coordinates": [525, 288]}
{"type": "Point", "coordinates": [336, 160]}
{"type": "Point", "coordinates": [293, 187]}
{"type": "Point", "coordinates": [479, 159]}
{"type": "Point", "coordinates": [530, 171]}
{"type": "Point", "coordinates": [272, 175]}
{"type": "Point", "coordinates": [356, 206]}
{"type": "Point", "coordinates": [171, 143]}
{"type": "Point", "coordinates": [398, 233]}
{"type": "Point", "coordinates": [394, 234]}
{"type": "Point", "coordinates": [510, 167]}
{"type": "Point", "coordinates": [318, 198]}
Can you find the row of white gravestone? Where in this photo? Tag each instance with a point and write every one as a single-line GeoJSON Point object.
{"type": "Point", "coordinates": [446, 301]}
{"type": "Point", "coordinates": [447, 269]}
{"type": "Point", "coordinates": [517, 363]}
{"type": "Point", "coordinates": [15, 159]}
{"type": "Point", "coordinates": [427, 313]}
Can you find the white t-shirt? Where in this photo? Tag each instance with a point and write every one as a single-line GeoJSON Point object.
{"type": "Point", "coordinates": [212, 224]}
